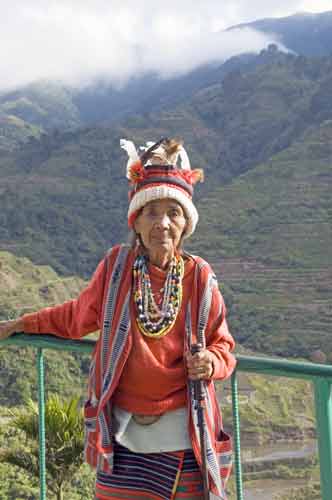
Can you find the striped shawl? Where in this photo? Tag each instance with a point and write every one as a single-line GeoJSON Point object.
{"type": "Point", "coordinates": [109, 357]}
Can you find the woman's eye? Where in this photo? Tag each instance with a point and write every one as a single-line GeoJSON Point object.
{"type": "Point", "coordinates": [150, 213]}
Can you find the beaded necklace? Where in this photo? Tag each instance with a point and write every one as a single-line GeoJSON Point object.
{"type": "Point", "coordinates": [152, 320]}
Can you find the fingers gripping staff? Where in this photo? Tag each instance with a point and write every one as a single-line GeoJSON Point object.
{"type": "Point", "coordinates": [199, 404]}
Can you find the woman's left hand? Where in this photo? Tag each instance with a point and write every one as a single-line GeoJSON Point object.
{"type": "Point", "coordinates": [199, 365]}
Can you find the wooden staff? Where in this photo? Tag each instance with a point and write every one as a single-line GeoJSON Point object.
{"type": "Point", "coordinates": [199, 402]}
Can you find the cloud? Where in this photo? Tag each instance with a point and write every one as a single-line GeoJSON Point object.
{"type": "Point", "coordinates": [76, 41]}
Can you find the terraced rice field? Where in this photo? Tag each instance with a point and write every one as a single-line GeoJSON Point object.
{"type": "Point", "coordinates": [292, 307]}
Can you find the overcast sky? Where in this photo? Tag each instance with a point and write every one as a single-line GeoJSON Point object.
{"type": "Point", "coordinates": [78, 40]}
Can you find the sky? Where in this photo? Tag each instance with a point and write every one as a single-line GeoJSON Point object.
{"type": "Point", "coordinates": [79, 41]}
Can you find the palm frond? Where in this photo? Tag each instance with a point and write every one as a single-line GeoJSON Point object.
{"type": "Point", "coordinates": [64, 439]}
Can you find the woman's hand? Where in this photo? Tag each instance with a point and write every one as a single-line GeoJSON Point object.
{"type": "Point", "coordinates": [199, 365]}
{"type": "Point", "coordinates": [7, 328]}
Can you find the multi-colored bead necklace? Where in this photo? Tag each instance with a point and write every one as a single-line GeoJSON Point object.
{"type": "Point", "coordinates": [153, 320]}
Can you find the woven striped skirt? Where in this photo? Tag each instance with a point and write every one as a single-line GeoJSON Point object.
{"type": "Point", "coordinates": [151, 476]}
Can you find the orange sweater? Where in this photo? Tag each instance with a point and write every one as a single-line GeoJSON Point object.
{"type": "Point", "coordinates": [153, 379]}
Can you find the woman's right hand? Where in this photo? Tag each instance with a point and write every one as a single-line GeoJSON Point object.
{"type": "Point", "coordinates": [7, 328]}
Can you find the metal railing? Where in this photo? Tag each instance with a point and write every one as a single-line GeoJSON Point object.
{"type": "Point", "coordinates": [319, 375]}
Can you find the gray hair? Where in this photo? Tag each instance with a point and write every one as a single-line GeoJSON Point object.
{"type": "Point", "coordinates": [132, 238]}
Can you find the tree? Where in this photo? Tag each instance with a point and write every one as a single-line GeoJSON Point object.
{"type": "Point", "coordinates": [64, 441]}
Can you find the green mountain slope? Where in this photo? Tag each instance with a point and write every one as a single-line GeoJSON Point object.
{"type": "Point", "coordinates": [308, 34]}
{"type": "Point", "coordinates": [27, 288]}
{"type": "Point", "coordinates": [51, 105]}
{"type": "Point", "coordinates": [270, 236]}
{"type": "Point", "coordinates": [62, 200]}
{"type": "Point", "coordinates": [64, 196]}
{"type": "Point", "coordinates": [45, 104]}
{"type": "Point", "coordinates": [28, 112]}
{"type": "Point", "coordinates": [259, 112]}
{"type": "Point", "coordinates": [14, 131]}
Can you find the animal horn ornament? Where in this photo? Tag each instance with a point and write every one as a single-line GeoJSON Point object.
{"type": "Point", "coordinates": [148, 152]}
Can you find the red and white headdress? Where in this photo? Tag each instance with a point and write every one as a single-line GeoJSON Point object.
{"type": "Point", "coordinates": [155, 175]}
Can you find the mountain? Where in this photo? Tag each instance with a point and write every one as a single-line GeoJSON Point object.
{"type": "Point", "coordinates": [305, 34]}
{"type": "Point", "coordinates": [261, 127]}
{"type": "Point", "coordinates": [72, 183]}
{"type": "Point", "coordinates": [26, 288]}
{"type": "Point", "coordinates": [271, 245]}
{"type": "Point", "coordinates": [64, 195]}
{"type": "Point", "coordinates": [45, 105]}
{"type": "Point", "coordinates": [151, 93]}
{"type": "Point", "coordinates": [28, 112]}
{"type": "Point", "coordinates": [14, 131]}
{"type": "Point", "coordinates": [257, 113]}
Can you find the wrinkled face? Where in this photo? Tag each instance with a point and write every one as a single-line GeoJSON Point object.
{"type": "Point", "coordinates": [161, 225]}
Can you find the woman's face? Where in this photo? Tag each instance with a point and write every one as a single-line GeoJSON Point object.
{"type": "Point", "coordinates": [161, 225]}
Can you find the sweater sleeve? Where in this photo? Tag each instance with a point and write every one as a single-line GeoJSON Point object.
{"type": "Point", "coordinates": [219, 341]}
{"type": "Point", "coordinates": [74, 318]}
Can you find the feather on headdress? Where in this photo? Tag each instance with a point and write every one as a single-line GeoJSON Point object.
{"type": "Point", "coordinates": [133, 157]}
{"type": "Point", "coordinates": [164, 152]}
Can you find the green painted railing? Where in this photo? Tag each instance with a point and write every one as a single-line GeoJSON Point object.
{"type": "Point", "coordinates": [320, 375]}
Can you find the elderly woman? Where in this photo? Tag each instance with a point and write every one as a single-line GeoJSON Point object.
{"type": "Point", "coordinates": [152, 302]}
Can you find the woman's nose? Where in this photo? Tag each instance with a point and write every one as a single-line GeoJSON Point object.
{"type": "Point", "coordinates": [163, 221]}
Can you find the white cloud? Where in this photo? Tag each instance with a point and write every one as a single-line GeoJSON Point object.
{"type": "Point", "coordinates": [75, 40]}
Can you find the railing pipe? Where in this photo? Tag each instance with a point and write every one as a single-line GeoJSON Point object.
{"type": "Point", "coordinates": [41, 417]}
{"type": "Point", "coordinates": [45, 341]}
{"type": "Point", "coordinates": [323, 403]}
{"type": "Point", "coordinates": [319, 374]}
{"type": "Point", "coordinates": [283, 367]}
{"type": "Point", "coordinates": [236, 436]}
{"type": "Point", "coordinates": [254, 364]}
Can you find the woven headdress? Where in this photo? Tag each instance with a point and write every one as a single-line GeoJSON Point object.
{"type": "Point", "coordinates": [155, 174]}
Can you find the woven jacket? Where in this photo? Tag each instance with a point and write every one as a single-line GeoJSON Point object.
{"type": "Point", "coordinates": [112, 350]}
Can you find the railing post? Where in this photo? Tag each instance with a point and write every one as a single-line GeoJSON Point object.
{"type": "Point", "coordinates": [323, 402]}
{"type": "Point", "coordinates": [236, 433]}
{"type": "Point", "coordinates": [41, 407]}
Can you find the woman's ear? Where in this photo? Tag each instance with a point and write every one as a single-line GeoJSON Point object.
{"type": "Point", "coordinates": [136, 226]}
{"type": "Point", "coordinates": [180, 245]}
{"type": "Point", "coordinates": [137, 223]}
{"type": "Point", "coordinates": [184, 230]}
